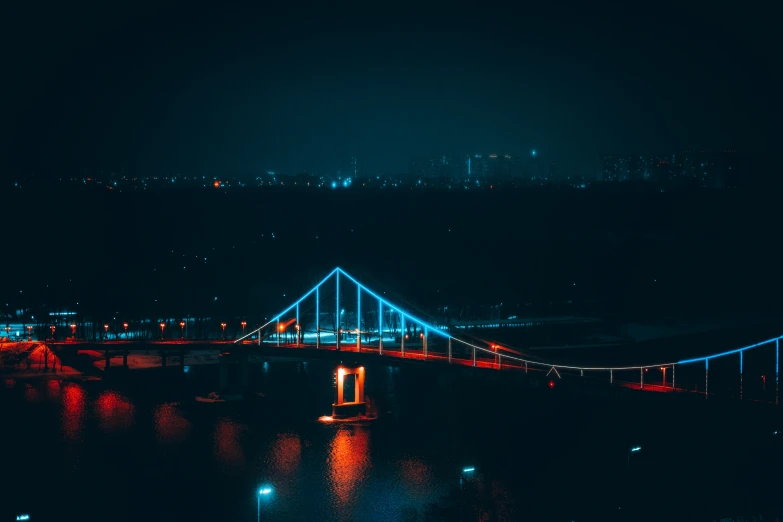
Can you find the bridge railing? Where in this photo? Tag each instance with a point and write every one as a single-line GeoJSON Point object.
{"type": "Point", "coordinates": [457, 350]}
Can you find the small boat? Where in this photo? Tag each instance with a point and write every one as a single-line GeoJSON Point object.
{"type": "Point", "coordinates": [227, 397]}
{"type": "Point", "coordinates": [207, 399]}
{"type": "Point", "coordinates": [212, 397]}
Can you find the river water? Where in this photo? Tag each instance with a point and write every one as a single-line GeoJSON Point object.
{"type": "Point", "coordinates": [141, 449]}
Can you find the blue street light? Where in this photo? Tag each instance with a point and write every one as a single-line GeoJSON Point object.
{"type": "Point", "coordinates": [264, 491]}
{"type": "Point", "coordinates": [468, 470]}
{"type": "Point", "coordinates": [633, 449]}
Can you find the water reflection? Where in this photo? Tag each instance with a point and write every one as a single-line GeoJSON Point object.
{"type": "Point", "coordinates": [53, 389]}
{"type": "Point", "coordinates": [114, 412]}
{"type": "Point", "coordinates": [31, 394]}
{"type": "Point", "coordinates": [10, 383]}
{"type": "Point", "coordinates": [228, 448]}
{"type": "Point", "coordinates": [349, 462]}
{"type": "Point", "coordinates": [286, 454]}
{"type": "Point", "coordinates": [170, 425]}
{"type": "Point", "coordinates": [73, 411]}
{"type": "Point", "coordinates": [417, 475]}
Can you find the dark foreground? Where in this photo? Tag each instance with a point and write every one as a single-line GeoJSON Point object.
{"type": "Point", "coordinates": [141, 448]}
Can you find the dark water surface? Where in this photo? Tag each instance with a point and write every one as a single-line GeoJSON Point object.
{"type": "Point", "coordinates": [140, 449]}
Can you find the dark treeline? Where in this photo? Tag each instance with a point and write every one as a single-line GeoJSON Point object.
{"type": "Point", "coordinates": [225, 255]}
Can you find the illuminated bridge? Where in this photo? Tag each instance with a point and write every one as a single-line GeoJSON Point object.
{"type": "Point", "coordinates": [341, 314]}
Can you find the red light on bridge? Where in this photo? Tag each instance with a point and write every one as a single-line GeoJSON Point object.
{"type": "Point", "coordinates": [551, 384]}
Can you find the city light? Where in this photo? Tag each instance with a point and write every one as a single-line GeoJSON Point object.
{"type": "Point", "coordinates": [23, 517]}
{"type": "Point", "coordinates": [265, 491]}
{"type": "Point", "coordinates": [468, 470]}
{"type": "Point", "coordinates": [635, 449]}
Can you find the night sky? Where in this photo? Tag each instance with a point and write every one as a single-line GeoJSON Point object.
{"type": "Point", "coordinates": [183, 88]}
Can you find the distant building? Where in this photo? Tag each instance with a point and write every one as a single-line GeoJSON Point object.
{"type": "Point", "coordinates": [348, 168]}
{"type": "Point", "coordinates": [691, 167]}
{"type": "Point", "coordinates": [433, 167]}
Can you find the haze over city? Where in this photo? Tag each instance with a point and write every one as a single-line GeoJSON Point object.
{"type": "Point", "coordinates": [390, 263]}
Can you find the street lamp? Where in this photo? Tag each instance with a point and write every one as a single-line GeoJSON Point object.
{"type": "Point", "coordinates": [162, 326]}
{"type": "Point", "coordinates": [106, 329]}
{"type": "Point", "coordinates": [51, 328]}
{"type": "Point", "coordinates": [223, 326]}
{"type": "Point", "coordinates": [125, 327]}
{"type": "Point", "coordinates": [465, 471]}
{"type": "Point", "coordinates": [262, 492]}
{"type": "Point", "coordinates": [182, 327]}
{"type": "Point", "coordinates": [633, 449]}
{"type": "Point", "coordinates": [663, 368]}
{"type": "Point", "coordinates": [29, 333]}
{"type": "Point", "coordinates": [243, 323]}
{"type": "Point", "coordinates": [73, 331]}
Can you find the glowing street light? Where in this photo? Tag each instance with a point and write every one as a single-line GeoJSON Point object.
{"type": "Point", "coordinates": [663, 369]}
{"type": "Point", "coordinates": [262, 492]}
{"type": "Point", "coordinates": [162, 327]}
{"type": "Point", "coordinates": [223, 326]}
{"type": "Point", "coordinates": [243, 323]}
{"type": "Point", "coordinates": [29, 333]}
{"type": "Point", "coordinates": [73, 330]}
{"type": "Point", "coordinates": [182, 327]}
{"type": "Point", "coordinates": [106, 329]}
{"type": "Point", "coordinates": [633, 449]}
{"type": "Point", "coordinates": [125, 327]}
{"type": "Point", "coordinates": [52, 328]}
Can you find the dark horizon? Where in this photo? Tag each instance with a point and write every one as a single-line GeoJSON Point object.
{"type": "Point", "coordinates": [237, 91]}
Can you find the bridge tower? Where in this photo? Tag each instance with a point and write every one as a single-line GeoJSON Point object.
{"type": "Point", "coordinates": [342, 408]}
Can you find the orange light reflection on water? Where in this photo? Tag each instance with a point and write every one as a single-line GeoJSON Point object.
{"type": "Point", "coordinates": [31, 394]}
{"type": "Point", "coordinates": [114, 412]}
{"type": "Point", "coordinates": [417, 475]}
{"type": "Point", "coordinates": [286, 454]}
{"type": "Point", "coordinates": [170, 425]}
{"type": "Point", "coordinates": [349, 461]}
{"type": "Point", "coordinates": [73, 410]}
{"type": "Point", "coordinates": [53, 389]}
{"type": "Point", "coordinates": [228, 449]}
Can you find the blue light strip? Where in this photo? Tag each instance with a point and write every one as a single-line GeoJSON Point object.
{"type": "Point", "coordinates": [317, 317]}
{"type": "Point", "coordinates": [358, 315]}
{"type": "Point", "coordinates": [380, 327]}
{"type": "Point", "coordinates": [697, 359]}
{"type": "Point", "coordinates": [275, 318]}
{"type": "Point", "coordinates": [381, 301]}
{"type": "Point", "coordinates": [387, 303]}
{"type": "Point", "coordinates": [337, 320]}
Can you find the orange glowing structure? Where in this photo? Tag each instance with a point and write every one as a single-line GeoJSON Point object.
{"type": "Point", "coordinates": [216, 184]}
{"type": "Point", "coordinates": [182, 327]}
{"type": "Point", "coordinates": [125, 327]}
{"type": "Point", "coordinates": [162, 327]}
{"type": "Point", "coordinates": [357, 406]}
